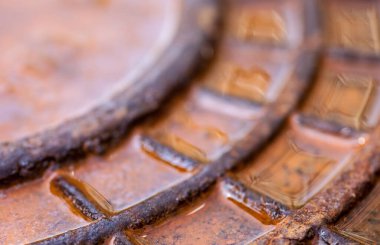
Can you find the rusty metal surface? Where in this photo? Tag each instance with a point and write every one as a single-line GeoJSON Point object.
{"type": "Point", "coordinates": [94, 130]}
{"type": "Point", "coordinates": [275, 142]}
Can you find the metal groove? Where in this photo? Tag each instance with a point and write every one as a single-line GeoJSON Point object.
{"type": "Point", "coordinates": [83, 198]}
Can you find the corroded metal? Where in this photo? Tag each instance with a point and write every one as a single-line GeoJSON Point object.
{"type": "Point", "coordinates": [257, 132]}
{"type": "Point", "coordinates": [274, 143]}
{"type": "Point", "coordinates": [104, 125]}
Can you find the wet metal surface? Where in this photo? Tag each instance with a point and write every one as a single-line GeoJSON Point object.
{"type": "Point", "coordinates": [339, 80]}
{"type": "Point", "coordinates": [128, 165]}
{"type": "Point", "coordinates": [211, 220]}
{"type": "Point", "coordinates": [296, 166]}
{"type": "Point", "coordinates": [201, 170]}
{"type": "Point", "coordinates": [32, 212]}
{"type": "Point", "coordinates": [353, 26]}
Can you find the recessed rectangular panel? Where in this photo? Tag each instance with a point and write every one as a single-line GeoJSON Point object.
{"type": "Point", "coordinates": [266, 22]}
{"type": "Point", "coordinates": [248, 84]}
{"type": "Point", "coordinates": [211, 220]}
{"type": "Point", "coordinates": [354, 26]}
{"type": "Point", "coordinates": [363, 222]}
{"type": "Point", "coordinates": [250, 77]}
{"type": "Point", "coordinates": [261, 25]}
{"type": "Point", "coordinates": [293, 169]}
{"type": "Point", "coordinates": [345, 96]}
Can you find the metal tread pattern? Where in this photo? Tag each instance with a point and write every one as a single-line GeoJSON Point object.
{"type": "Point", "coordinates": [274, 143]}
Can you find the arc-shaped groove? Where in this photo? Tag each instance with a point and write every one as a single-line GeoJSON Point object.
{"type": "Point", "coordinates": [105, 124]}
{"type": "Point", "coordinates": [167, 201]}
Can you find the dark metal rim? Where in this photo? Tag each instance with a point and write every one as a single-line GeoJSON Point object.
{"type": "Point", "coordinates": [104, 125]}
{"type": "Point", "coordinates": [168, 201]}
{"type": "Point", "coordinates": [347, 188]}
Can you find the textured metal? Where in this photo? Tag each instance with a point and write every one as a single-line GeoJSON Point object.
{"type": "Point", "coordinates": [95, 130]}
{"type": "Point", "coordinates": [275, 142]}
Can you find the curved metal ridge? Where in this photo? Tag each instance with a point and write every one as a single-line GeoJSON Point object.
{"type": "Point", "coordinates": [168, 201]}
{"type": "Point", "coordinates": [104, 125]}
{"type": "Point", "coordinates": [275, 143]}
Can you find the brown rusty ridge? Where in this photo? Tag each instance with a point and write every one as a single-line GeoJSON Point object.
{"type": "Point", "coordinates": [242, 194]}
{"type": "Point", "coordinates": [103, 126]}
{"type": "Point", "coordinates": [122, 239]}
{"type": "Point", "coordinates": [324, 208]}
{"type": "Point", "coordinates": [168, 201]}
{"type": "Point", "coordinates": [331, 237]}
